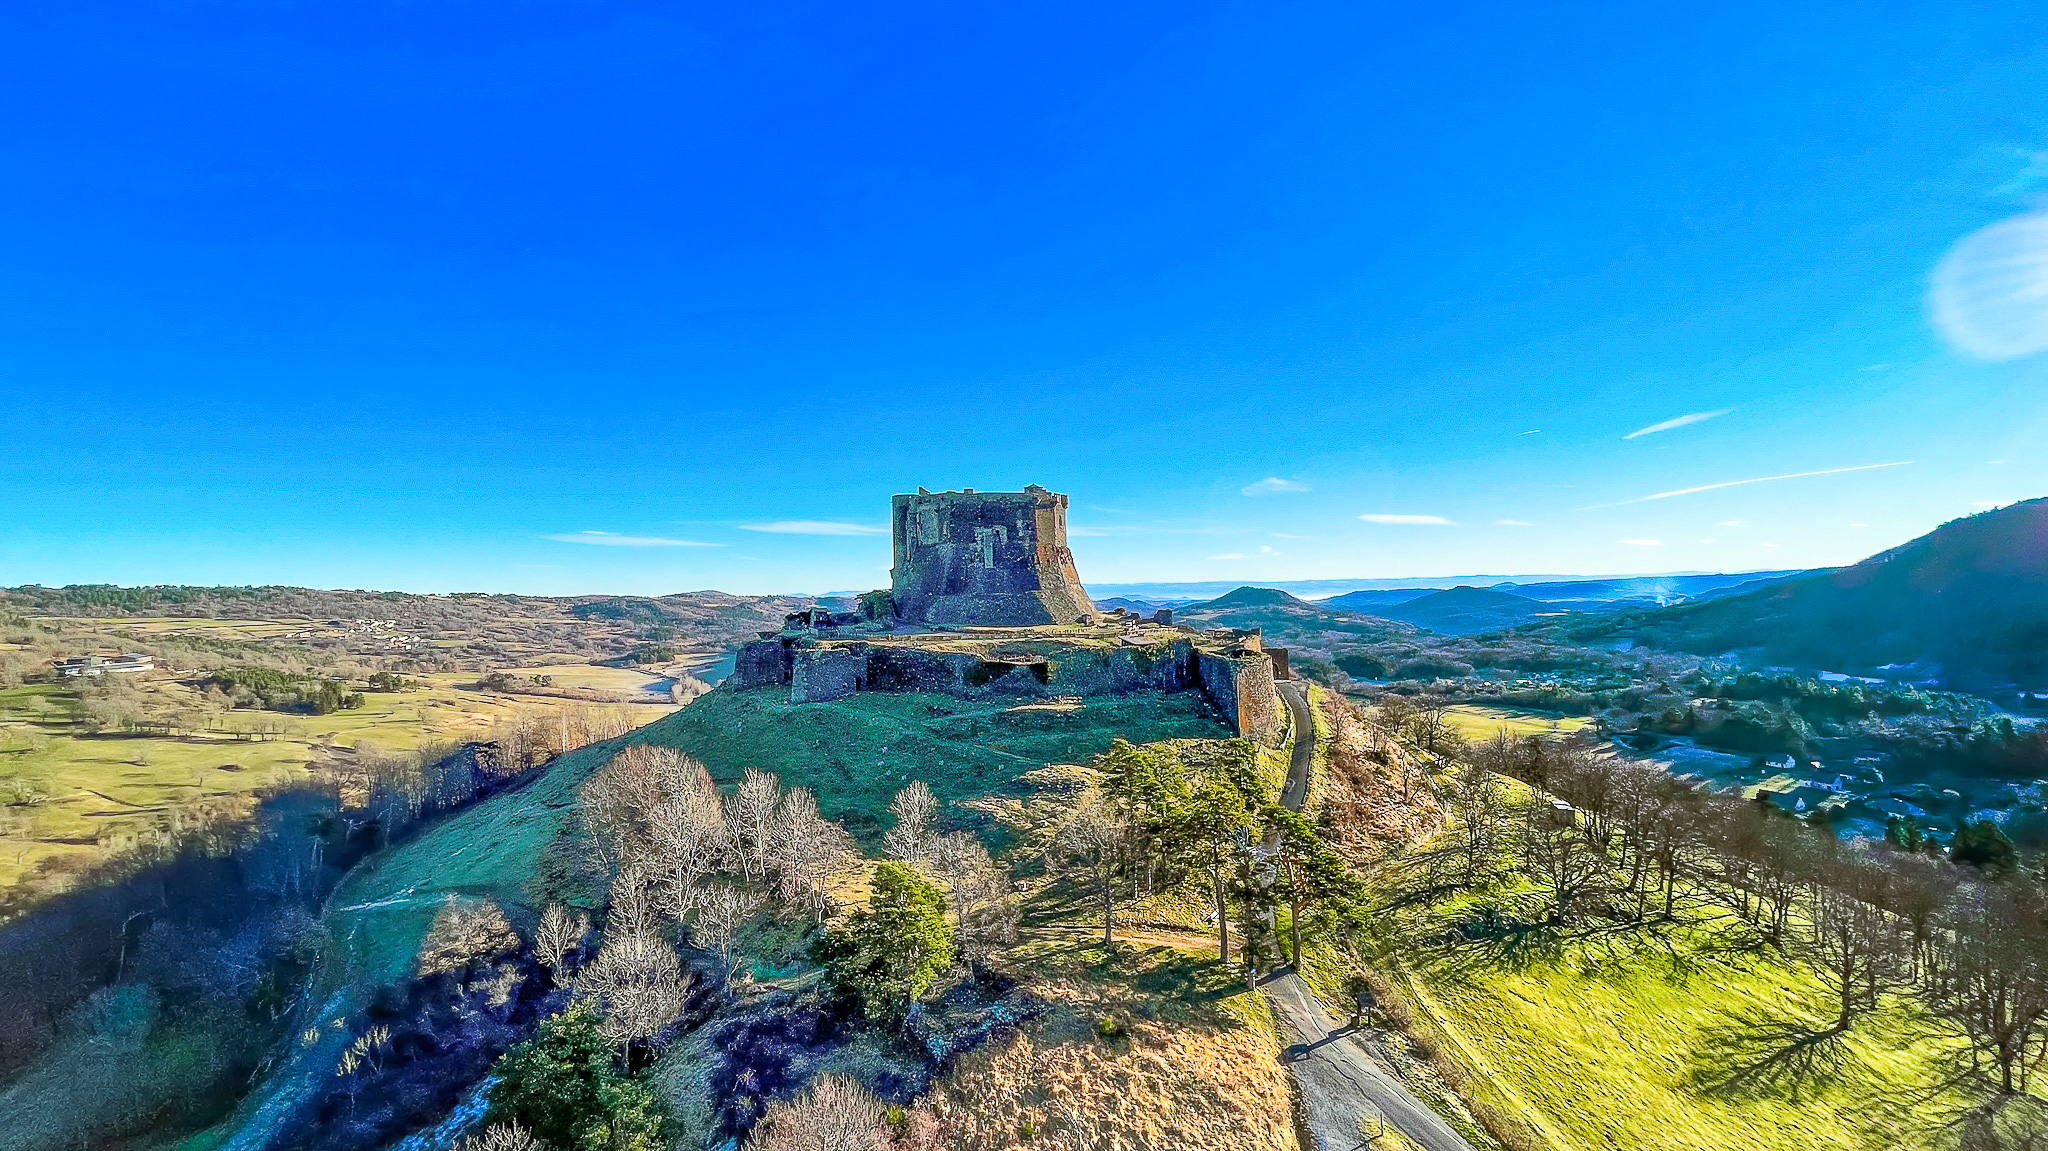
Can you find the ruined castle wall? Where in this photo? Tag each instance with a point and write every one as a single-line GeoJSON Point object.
{"type": "Point", "coordinates": [1239, 685]}
{"type": "Point", "coordinates": [820, 674]}
{"type": "Point", "coordinates": [762, 663]}
{"type": "Point", "coordinates": [990, 558]}
{"type": "Point", "coordinates": [1242, 689]}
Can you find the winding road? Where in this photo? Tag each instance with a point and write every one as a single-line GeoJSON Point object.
{"type": "Point", "coordinates": [1343, 1090]}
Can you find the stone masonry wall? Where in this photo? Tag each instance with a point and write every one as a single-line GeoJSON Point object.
{"type": "Point", "coordinates": [1240, 686]}
{"type": "Point", "coordinates": [984, 558]}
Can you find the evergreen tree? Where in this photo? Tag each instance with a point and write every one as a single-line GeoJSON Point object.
{"type": "Point", "coordinates": [562, 1086]}
{"type": "Point", "coordinates": [889, 955]}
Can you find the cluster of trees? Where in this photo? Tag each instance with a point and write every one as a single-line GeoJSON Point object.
{"type": "Point", "coordinates": [1624, 844]}
{"type": "Point", "coordinates": [1165, 815]}
{"type": "Point", "coordinates": [283, 690]}
{"type": "Point", "coordinates": [680, 854]}
{"type": "Point", "coordinates": [532, 736]}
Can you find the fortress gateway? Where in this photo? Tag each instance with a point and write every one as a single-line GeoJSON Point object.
{"type": "Point", "coordinates": [984, 600]}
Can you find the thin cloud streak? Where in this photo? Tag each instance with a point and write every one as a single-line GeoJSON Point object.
{"type": "Point", "coordinates": [615, 540]}
{"type": "Point", "coordinates": [1273, 486]}
{"type": "Point", "coordinates": [1739, 483]}
{"type": "Point", "coordinates": [815, 528]}
{"type": "Point", "coordinates": [1680, 422]}
{"type": "Point", "coordinates": [1382, 518]}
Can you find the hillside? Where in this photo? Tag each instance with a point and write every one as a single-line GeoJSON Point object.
{"type": "Point", "coordinates": [404, 631]}
{"type": "Point", "coordinates": [1967, 602]}
{"type": "Point", "coordinates": [1468, 611]}
{"type": "Point", "coordinates": [1314, 633]}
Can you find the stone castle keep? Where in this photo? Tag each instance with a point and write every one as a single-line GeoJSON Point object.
{"type": "Point", "coordinates": [990, 558]}
{"type": "Point", "coordinates": [984, 600]}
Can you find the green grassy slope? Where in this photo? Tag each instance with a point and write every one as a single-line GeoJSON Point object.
{"type": "Point", "coordinates": [1625, 1040]}
{"type": "Point", "coordinates": [518, 847]}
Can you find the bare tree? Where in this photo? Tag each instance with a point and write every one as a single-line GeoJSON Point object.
{"type": "Point", "coordinates": [985, 916]}
{"type": "Point", "coordinates": [637, 983]}
{"type": "Point", "coordinates": [722, 909]}
{"type": "Point", "coordinates": [1091, 841]}
{"type": "Point", "coordinates": [834, 1115]}
{"type": "Point", "coordinates": [508, 1136]}
{"type": "Point", "coordinates": [631, 908]}
{"type": "Point", "coordinates": [559, 934]}
{"type": "Point", "coordinates": [752, 815]}
{"type": "Point", "coordinates": [1481, 808]}
{"type": "Point", "coordinates": [808, 850]}
{"type": "Point", "coordinates": [687, 843]}
{"type": "Point", "coordinates": [911, 838]}
{"type": "Point", "coordinates": [1857, 952]}
{"type": "Point", "coordinates": [463, 932]}
{"type": "Point", "coordinates": [1990, 982]}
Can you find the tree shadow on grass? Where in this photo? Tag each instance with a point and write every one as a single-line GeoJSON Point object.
{"type": "Point", "coordinates": [1768, 1058]}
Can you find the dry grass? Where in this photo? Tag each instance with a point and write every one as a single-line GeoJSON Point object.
{"type": "Point", "coordinates": [1153, 1087]}
{"type": "Point", "coordinates": [1375, 797]}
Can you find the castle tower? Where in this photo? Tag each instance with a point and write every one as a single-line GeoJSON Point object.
{"type": "Point", "coordinates": [995, 558]}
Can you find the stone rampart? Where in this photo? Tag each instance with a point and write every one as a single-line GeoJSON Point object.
{"type": "Point", "coordinates": [1237, 681]}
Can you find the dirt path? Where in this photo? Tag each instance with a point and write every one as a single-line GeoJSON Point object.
{"type": "Point", "coordinates": [1343, 1091]}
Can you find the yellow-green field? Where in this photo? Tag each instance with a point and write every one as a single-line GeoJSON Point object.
{"type": "Point", "coordinates": [627, 681]}
{"type": "Point", "coordinates": [1623, 1042]}
{"type": "Point", "coordinates": [1477, 723]}
{"type": "Point", "coordinates": [71, 795]}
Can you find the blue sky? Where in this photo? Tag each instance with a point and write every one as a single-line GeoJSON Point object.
{"type": "Point", "coordinates": [572, 297]}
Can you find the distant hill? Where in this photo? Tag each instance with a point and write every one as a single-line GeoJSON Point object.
{"type": "Point", "coordinates": [469, 630]}
{"type": "Point", "coordinates": [1136, 604]}
{"type": "Point", "coordinates": [1652, 589]}
{"type": "Point", "coordinates": [1372, 600]}
{"type": "Point", "coordinates": [1468, 610]}
{"type": "Point", "coordinates": [1252, 597]}
{"type": "Point", "coordinates": [1313, 633]}
{"type": "Point", "coordinates": [1969, 601]}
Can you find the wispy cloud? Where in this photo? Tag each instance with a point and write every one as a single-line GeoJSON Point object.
{"type": "Point", "coordinates": [1086, 532]}
{"type": "Point", "coordinates": [1273, 486]}
{"type": "Point", "coordinates": [1678, 422]}
{"type": "Point", "coordinates": [815, 528]}
{"type": "Point", "coordinates": [1731, 523]}
{"type": "Point", "coordinates": [1644, 543]}
{"type": "Point", "coordinates": [1385, 518]}
{"type": "Point", "coordinates": [1530, 432]}
{"type": "Point", "coordinates": [1229, 556]}
{"type": "Point", "coordinates": [1514, 523]}
{"type": "Point", "coordinates": [615, 540]}
{"type": "Point", "coordinates": [1739, 483]}
{"type": "Point", "coordinates": [1286, 536]}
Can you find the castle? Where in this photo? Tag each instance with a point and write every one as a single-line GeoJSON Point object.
{"type": "Point", "coordinates": [988, 558]}
{"type": "Point", "coordinates": [984, 600]}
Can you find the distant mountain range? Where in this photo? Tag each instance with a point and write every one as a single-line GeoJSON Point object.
{"type": "Point", "coordinates": [1364, 594]}
{"type": "Point", "coordinates": [1455, 611]}
{"type": "Point", "coordinates": [1967, 603]}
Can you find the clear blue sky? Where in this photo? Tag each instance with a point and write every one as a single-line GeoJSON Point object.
{"type": "Point", "coordinates": [534, 296]}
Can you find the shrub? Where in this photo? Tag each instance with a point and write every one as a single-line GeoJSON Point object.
{"type": "Point", "coordinates": [889, 955]}
{"type": "Point", "coordinates": [463, 933]}
{"type": "Point", "coordinates": [561, 1085]}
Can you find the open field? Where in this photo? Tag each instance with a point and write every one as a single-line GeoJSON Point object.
{"type": "Point", "coordinates": [1619, 1040]}
{"type": "Point", "coordinates": [1477, 723]}
{"type": "Point", "coordinates": [74, 795]}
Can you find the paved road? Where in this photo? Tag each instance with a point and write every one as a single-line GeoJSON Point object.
{"type": "Point", "coordinates": [1340, 1083]}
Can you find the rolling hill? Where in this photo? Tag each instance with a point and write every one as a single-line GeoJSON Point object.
{"type": "Point", "coordinates": [1967, 603]}
{"type": "Point", "coordinates": [1314, 633]}
{"type": "Point", "coordinates": [1468, 610]}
